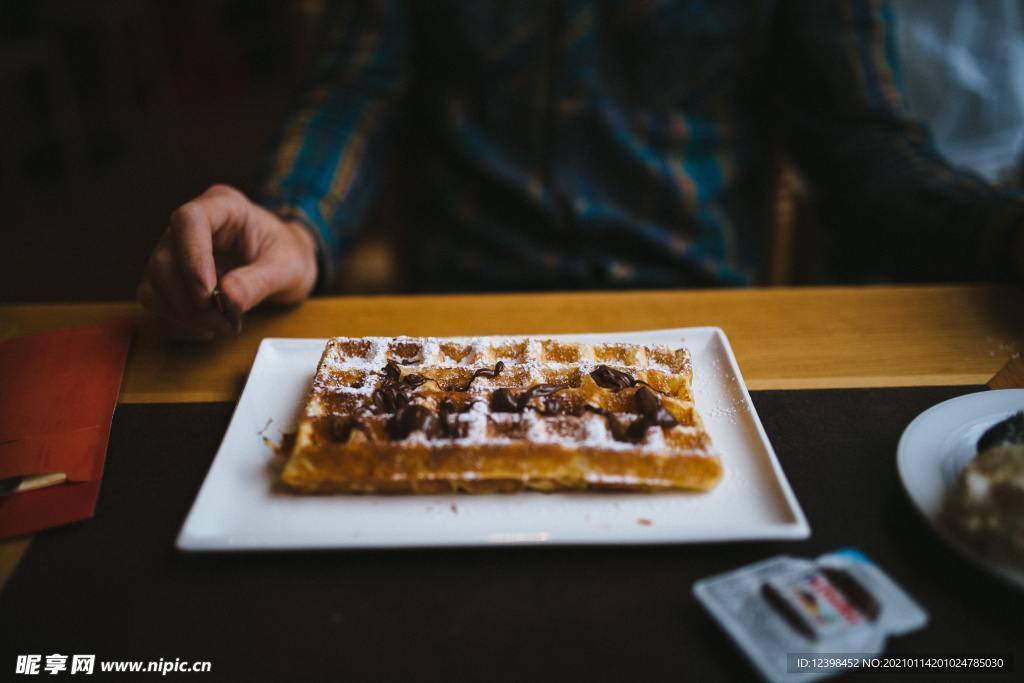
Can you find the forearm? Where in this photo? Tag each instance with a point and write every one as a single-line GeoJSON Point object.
{"type": "Point", "coordinates": [327, 168]}
{"type": "Point", "coordinates": [330, 198]}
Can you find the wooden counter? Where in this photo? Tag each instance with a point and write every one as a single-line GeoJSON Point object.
{"type": "Point", "coordinates": [783, 338]}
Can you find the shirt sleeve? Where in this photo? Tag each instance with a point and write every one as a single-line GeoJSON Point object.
{"type": "Point", "coordinates": [327, 166]}
{"type": "Point", "coordinates": [894, 208]}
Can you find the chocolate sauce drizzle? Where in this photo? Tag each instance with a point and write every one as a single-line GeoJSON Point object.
{"type": "Point", "coordinates": [616, 380]}
{"type": "Point", "coordinates": [340, 429]}
{"type": "Point", "coordinates": [409, 419]}
{"type": "Point", "coordinates": [394, 391]}
{"type": "Point", "coordinates": [504, 401]}
{"type": "Point", "coordinates": [489, 373]}
{"type": "Point", "coordinates": [652, 412]}
{"type": "Point", "coordinates": [394, 396]}
{"type": "Point", "coordinates": [610, 378]}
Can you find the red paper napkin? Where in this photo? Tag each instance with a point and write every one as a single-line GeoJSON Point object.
{"type": "Point", "coordinates": [57, 396]}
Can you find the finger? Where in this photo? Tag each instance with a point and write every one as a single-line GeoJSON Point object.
{"type": "Point", "coordinates": [200, 325]}
{"type": "Point", "coordinates": [151, 299]}
{"type": "Point", "coordinates": [165, 278]}
{"type": "Point", "coordinates": [146, 296]}
{"type": "Point", "coordinates": [189, 234]}
{"type": "Point", "coordinates": [252, 283]}
{"type": "Point", "coordinates": [175, 329]}
{"type": "Point", "coordinates": [192, 229]}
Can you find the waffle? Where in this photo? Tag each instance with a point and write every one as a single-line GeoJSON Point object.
{"type": "Point", "coordinates": [486, 415]}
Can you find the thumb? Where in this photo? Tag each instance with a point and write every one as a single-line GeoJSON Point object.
{"type": "Point", "coordinates": [248, 285]}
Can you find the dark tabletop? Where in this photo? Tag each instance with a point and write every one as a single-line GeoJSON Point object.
{"type": "Point", "coordinates": [115, 586]}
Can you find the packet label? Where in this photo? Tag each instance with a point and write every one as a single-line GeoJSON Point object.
{"type": "Point", "coordinates": [784, 607]}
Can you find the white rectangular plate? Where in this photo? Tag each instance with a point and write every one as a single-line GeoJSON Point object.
{"type": "Point", "coordinates": [240, 508]}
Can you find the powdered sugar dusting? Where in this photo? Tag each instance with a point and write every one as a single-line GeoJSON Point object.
{"type": "Point", "coordinates": [354, 367]}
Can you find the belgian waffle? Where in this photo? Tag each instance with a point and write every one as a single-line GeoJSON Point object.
{"type": "Point", "coordinates": [483, 415]}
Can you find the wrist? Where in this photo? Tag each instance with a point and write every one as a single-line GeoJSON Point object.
{"type": "Point", "coordinates": [307, 246]}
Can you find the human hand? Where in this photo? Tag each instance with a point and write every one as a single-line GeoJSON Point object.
{"type": "Point", "coordinates": [222, 237]}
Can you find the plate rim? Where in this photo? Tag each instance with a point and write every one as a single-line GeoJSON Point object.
{"type": "Point", "coordinates": [798, 529]}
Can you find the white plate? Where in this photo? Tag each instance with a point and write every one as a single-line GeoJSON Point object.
{"type": "Point", "coordinates": [937, 445]}
{"type": "Point", "coordinates": [238, 508]}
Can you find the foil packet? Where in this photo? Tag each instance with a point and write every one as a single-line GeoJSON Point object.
{"type": "Point", "coordinates": [794, 616]}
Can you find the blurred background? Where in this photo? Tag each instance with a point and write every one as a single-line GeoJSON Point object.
{"type": "Point", "coordinates": [114, 112]}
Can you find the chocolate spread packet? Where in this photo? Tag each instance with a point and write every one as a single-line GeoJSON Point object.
{"type": "Point", "coordinates": [794, 617]}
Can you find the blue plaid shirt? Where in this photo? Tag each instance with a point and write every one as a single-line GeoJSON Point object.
{"type": "Point", "coordinates": [586, 144]}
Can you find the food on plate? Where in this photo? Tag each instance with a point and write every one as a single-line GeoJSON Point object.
{"type": "Point", "coordinates": [986, 506]}
{"type": "Point", "coordinates": [484, 415]}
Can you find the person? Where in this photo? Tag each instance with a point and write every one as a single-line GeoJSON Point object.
{"type": "Point", "coordinates": [582, 144]}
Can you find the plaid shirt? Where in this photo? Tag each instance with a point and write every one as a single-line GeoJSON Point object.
{"type": "Point", "coordinates": [583, 144]}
